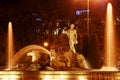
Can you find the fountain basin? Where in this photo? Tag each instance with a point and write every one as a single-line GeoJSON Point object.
{"type": "Point", "coordinates": [60, 75]}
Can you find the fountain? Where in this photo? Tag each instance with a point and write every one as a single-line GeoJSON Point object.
{"type": "Point", "coordinates": [109, 44]}
{"type": "Point", "coordinates": [28, 49]}
{"type": "Point", "coordinates": [109, 41]}
{"type": "Point", "coordinates": [10, 46]}
{"type": "Point", "coordinates": [74, 66]}
{"type": "Point", "coordinates": [36, 52]}
{"type": "Point", "coordinates": [13, 58]}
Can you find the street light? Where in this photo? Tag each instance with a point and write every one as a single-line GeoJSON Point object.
{"type": "Point", "coordinates": [45, 44]}
{"type": "Point", "coordinates": [87, 2]}
{"type": "Point", "coordinates": [88, 17]}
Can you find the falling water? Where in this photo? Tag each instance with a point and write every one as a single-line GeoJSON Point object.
{"type": "Point", "coordinates": [27, 49]}
{"type": "Point", "coordinates": [109, 40]}
{"type": "Point", "coordinates": [10, 46]}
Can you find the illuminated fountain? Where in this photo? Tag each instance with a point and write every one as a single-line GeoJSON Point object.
{"type": "Point", "coordinates": [10, 46]}
{"type": "Point", "coordinates": [38, 54]}
{"type": "Point", "coordinates": [13, 58]}
{"type": "Point", "coordinates": [109, 41]}
{"type": "Point", "coordinates": [30, 50]}
{"type": "Point", "coordinates": [34, 55]}
{"type": "Point", "coordinates": [109, 45]}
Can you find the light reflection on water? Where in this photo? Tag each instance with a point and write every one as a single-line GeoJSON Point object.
{"type": "Point", "coordinates": [10, 75]}
{"type": "Point", "coordinates": [59, 75]}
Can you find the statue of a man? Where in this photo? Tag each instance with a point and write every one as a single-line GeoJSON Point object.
{"type": "Point", "coordinates": [72, 35]}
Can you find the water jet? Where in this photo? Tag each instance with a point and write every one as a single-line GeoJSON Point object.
{"type": "Point", "coordinates": [10, 46]}
{"type": "Point", "coordinates": [110, 40]}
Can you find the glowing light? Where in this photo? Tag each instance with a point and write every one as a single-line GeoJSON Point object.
{"type": "Point", "coordinates": [47, 77]}
{"type": "Point", "coordinates": [82, 78]}
{"type": "Point", "coordinates": [63, 77]}
{"type": "Point", "coordinates": [104, 68]}
{"type": "Point", "coordinates": [56, 75]}
{"type": "Point", "coordinates": [80, 12]}
{"type": "Point", "coordinates": [10, 75]}
{"type": "Point", "coordinates": [45, 44]}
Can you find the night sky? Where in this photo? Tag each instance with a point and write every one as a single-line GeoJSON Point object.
{"type": "Point", "coordinates": [24, 13]}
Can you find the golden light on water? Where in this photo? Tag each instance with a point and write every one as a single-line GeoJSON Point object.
{"type": "Point", "coordinates": [12, 75]}
{"type": "Point", "coordinates": [82, 78]}
{"type": "Point", "coordinates": [58, 75]}
{"type": "Point", "coordinates": [61, 75]}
